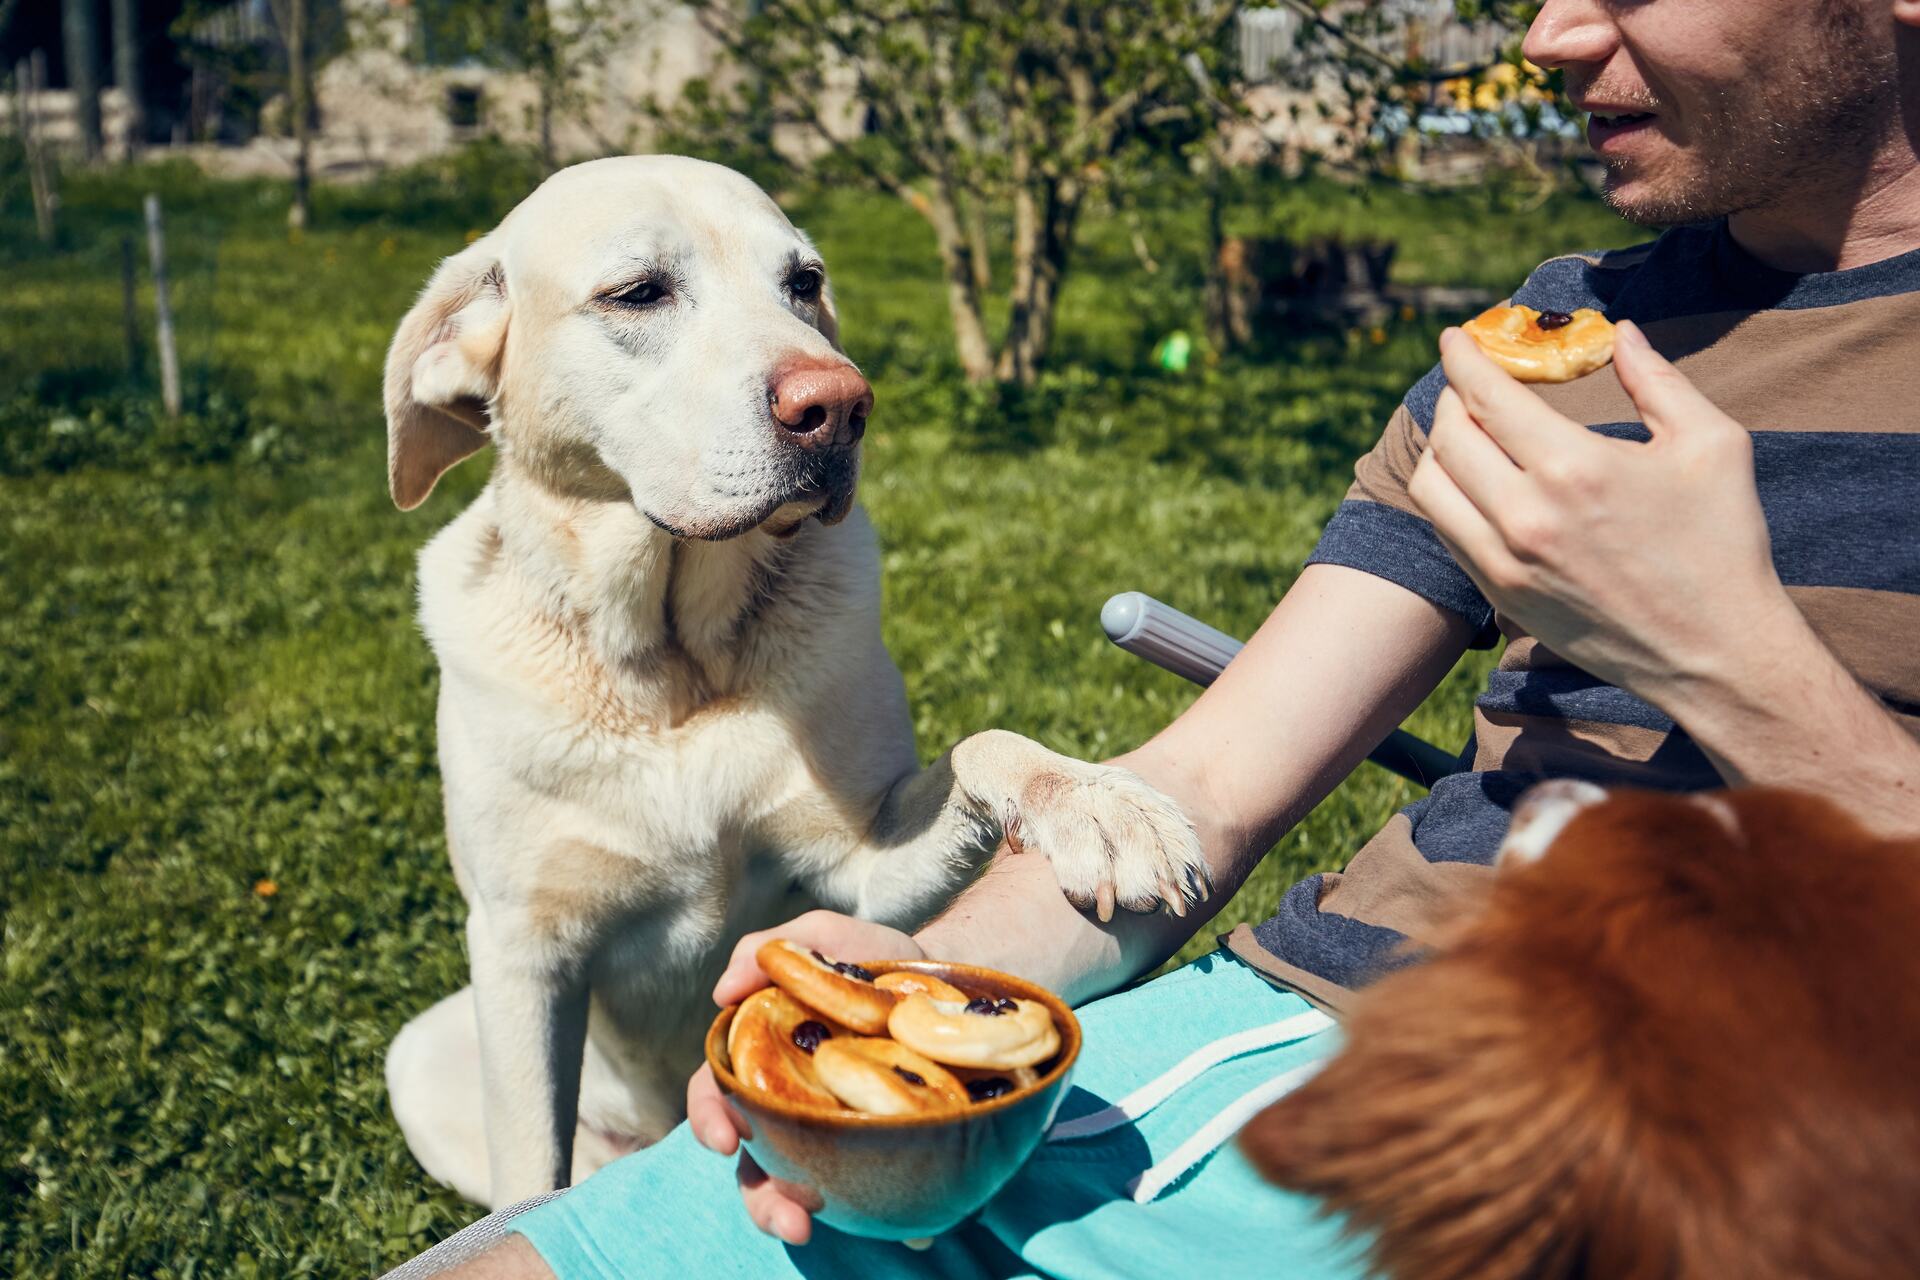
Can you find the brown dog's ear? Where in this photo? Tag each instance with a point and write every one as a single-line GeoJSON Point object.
{"type": "Point", "coordinates": [442, 371]}
{"type": "Point", "coordinates": [1438, 1132]}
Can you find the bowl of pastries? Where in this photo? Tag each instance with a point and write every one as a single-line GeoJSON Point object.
{"type": "Point", "coordinates": [901, 1093]}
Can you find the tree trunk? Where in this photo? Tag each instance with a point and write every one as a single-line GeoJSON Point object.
{"type": "Point", "coordinates": [127, 72]}
{"type": "Point", "coordinates": [1062, 217]}
{"type": "Point", "coordinates": [546, 75]}
{"type": "Point", "coordinates": [1229, 288]}
{"type": "Point", "coordinates": [300, 106]}
{"type": "Point", "coordinates": [1046, 213]}
{"type": "Point", "coordinates": [548, 162]}
{"type": "Point", "coordinates": [963, 298]}
{"type": "Point", "coordinates": [977, 245]}
{"type": "Point", "coordinates": [80, 32]}
{"type": "Point", "coordinates": [1026, 247]}
{"type": "Point", "coordinates": [30, 84]}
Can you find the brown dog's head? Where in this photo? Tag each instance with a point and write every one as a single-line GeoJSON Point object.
{"type": "Point", "coordinates": [1682, 1039]}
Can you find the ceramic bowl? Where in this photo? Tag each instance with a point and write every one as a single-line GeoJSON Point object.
{"type": "Point", "coordinates": [904, 1177]}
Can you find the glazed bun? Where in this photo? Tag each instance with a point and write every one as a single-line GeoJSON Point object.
{"type": "Point", "coordinates": [983, 1084]}
{"type": "Point", "coordinates": [905, 982]}
{"type": "Point", "coordinates": [996, 1033]}
{"type": "Point", "coordinates": [1543, 346]}
{"type": "Point", "coordinates": [844, 992]}
{"type": "Point", "coordinates": [882, 1078]}
{"type": "Point", "coordinates": [772, 1042]}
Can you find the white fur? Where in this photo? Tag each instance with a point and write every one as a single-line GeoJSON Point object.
{"type": "Point", "coordinates": [666, 715]}
{"type": "Point", "coordinates": [1542, 814]}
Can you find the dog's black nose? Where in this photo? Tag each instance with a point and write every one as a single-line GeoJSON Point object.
{"type": "Point", "coordinates": [820, 402]}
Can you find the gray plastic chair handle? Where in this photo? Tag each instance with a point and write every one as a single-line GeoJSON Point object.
{"type": "Point", "coordinates": [1166, 637]}
{"type": "Point", "coordinates": [1188, 647]}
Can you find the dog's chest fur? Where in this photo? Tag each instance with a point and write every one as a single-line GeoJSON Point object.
{"type": "Point", "coordinates": [615, 716]}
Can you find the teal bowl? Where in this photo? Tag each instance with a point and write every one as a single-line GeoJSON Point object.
{"type": "Point", "coordinates": [903, 1177]}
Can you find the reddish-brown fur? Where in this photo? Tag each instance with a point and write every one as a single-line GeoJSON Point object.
{"type": "Point", "coordinates": [1666, 1050]}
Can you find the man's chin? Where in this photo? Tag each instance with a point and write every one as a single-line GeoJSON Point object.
{"type": "Point", "coordinates": [1650, 203]}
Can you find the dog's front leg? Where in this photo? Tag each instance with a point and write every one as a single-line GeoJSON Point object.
{"type": "Point", "coordinates": [1110, 837]}
{"type": "Point", "coordinates": [533, 1027]}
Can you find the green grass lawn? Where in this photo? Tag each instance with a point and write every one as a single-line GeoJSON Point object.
{"type": "Point", "coordinates": [210, 676]}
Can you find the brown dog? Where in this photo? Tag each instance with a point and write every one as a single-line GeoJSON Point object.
{"type": "Point", "coordinates": [1684, 1043]}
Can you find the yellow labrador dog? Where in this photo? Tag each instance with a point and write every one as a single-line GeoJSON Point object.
{"type": "Point", "coordinates": [666, 715]}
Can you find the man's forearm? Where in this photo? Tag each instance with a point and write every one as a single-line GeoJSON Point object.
{"type": "Point", "coordinates": [1337, 665]}
{"type": "Point", "coordinates": [1781, 710]}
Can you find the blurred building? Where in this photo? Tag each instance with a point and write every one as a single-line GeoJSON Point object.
{"type": "Point", "coordinates": [401, 80]}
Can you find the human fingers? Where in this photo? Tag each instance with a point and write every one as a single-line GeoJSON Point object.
{"type": "Point", "coordinates": [1669, 403]}
{"type": "Point", "coordinates": [831, 932]}
{"type": "Point", "coordinates": [1472, 460]}
{"type": "Point", "coordinates": [742, 976]}
{"type": "Point", "coordinates": [771, 1209]}
{"type": "Point", "coordinates": [1469, 535]}
{"type": "Point", "coordinates": [1517, 419]}
{"type": "Point", "coordinates": [714, 1124]}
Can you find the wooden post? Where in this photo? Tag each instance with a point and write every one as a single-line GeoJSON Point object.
{"type": "Point", "coordinates": [163, 310]}
{"type": "Point", "coordinates": [80, 31]}
{"type": "Point", "coordinates": [126, 72]}
{"type": "Point", "coordinates": [29, 79]}
{"type": "Point", "coordinates": [128, 309]}
{"type": "Point", "coordinates": [300, 108]}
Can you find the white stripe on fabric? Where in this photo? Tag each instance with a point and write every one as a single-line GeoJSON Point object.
{"type": "Point", "coordinates": [1160, 1088]}
{"type": "Point", "coordinates": [1215, 1132]}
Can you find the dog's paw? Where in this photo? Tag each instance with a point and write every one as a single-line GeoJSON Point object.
{"type": "Point", "coordinates": [1112, 839]}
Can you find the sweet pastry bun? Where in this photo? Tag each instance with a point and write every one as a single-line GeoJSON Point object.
{"type": "Point", "coordinates": [905, 982]}
{"type": "Point", "coordinates": [772, 1042]}
{"type": "Point", "coordinates": [985, 1083]}
{"type": "Point", "coordinates": [882, 1078]}
{"type": "Point", "coordinates": [1543, 346]}
{"type": "Point", "coordinates": [997, 1033]}
{"type": "Point", "coordinates": [844, 992]}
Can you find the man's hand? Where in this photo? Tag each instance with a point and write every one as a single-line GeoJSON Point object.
{"type": "Point", "coordinates": [1648, 565]}
{"type": "Point", "coordinates": [781, 1210]}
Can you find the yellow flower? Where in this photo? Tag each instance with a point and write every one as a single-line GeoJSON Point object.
{"type": "Point", "coordinates": [265, 888]}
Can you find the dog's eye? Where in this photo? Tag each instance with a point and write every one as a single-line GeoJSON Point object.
{"type": "Point", "coordinates": [805, 283]}
{"type": "Point", "coordinates": [641, 293]}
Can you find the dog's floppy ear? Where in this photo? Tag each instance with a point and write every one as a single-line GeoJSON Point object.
{"type": "Point", "coordinates": [443, 369]}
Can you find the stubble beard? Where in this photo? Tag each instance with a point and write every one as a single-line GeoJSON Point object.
{"type": "Point", "coordinates": [1800, 130]}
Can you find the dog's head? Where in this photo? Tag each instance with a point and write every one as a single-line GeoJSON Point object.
{"type": "Point", "coordinates": [1680, 1039]}
{"type": "Point", "coordinates": [648, 329]}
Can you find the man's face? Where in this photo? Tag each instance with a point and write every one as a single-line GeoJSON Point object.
{"type": "Point", "coordinates": [1703, 108]}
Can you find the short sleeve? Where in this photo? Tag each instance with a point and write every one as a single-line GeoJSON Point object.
{"type": "Point", "coordinates": [1377, 530]}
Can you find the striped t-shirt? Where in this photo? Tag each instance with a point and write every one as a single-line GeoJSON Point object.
{"type": "Point", "coordinates": [1824, 369]}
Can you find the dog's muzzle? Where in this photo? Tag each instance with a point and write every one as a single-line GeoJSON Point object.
{"type": "Point", "coordinates": [836, 474]}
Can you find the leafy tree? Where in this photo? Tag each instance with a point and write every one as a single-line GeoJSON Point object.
{"type": "Point", "coordinates": [959, 107]}
{"type": "Point", "coordinates": [1027, 108]}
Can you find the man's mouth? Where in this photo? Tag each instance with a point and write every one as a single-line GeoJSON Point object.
{"type": "Point", "coordinates": [1608, 130]}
